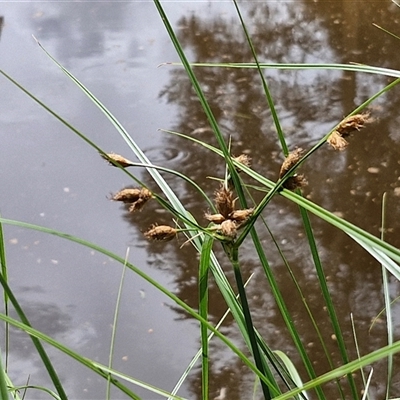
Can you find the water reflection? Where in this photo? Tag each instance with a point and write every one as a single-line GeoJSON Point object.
{"type": "Point", "coordinates": [309, 104]}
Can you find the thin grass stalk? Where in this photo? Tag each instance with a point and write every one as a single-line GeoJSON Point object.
{"type": "Point", "coordinates": [285, 313]}
{"type": "Point", "coordinates": [234, 258]}
{"type": "Point", "coordinates": [203, 311]}
{"type": "Point", "coordinates": [353, 328]}
{"type": "Point", "coordinates": [304, 301]}
{"type": "Point", "coordinates": [264, 84]}
{"type": "Point", "coordinates": [198, 354]}
{"type": "Point", "coordinates": [3, 265]}
{"type": "Point", "coordinates": [114, 326]}
{"type": "Point", "coordinates": [4, 395]}
{"type": "Point", "coordinates": [388, 304]}
{"type": "Point", "coordinates": [328, 300]}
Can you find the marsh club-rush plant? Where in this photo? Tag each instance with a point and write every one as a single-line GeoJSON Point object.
{"type": "Point", "coordinates": [230, 217]}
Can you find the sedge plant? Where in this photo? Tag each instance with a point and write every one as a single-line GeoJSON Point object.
{"type": "Point", "coordinates": [233, 217]}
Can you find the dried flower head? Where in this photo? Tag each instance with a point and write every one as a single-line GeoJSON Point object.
{"type": "Point", "coordinates": [127, 195]}
{"type": "Point", "coordinates": [295, 182]}
{"type": "Point", "coordinates": [228, 229]}
{"type": "Point", "coordinates": [353, 123]}
{"type": "Point", "coordinates": [241, 216]}
{"type": "Point", "coordinates": [243, 159]}
{"type": "Point", "coordinates": [337, 141]}
{"type": "Point", "coordinates": [161, 232]}
{"type": "Point", "coordinates": [346, 127]}
{"type": "Point", "coordinates": [290, 161]}
{"type": "Point", "coordinates": [138, 197]}
{"type": "Point", "coordinates": [216, 218]}
{"type": "Point", "coordinates": [224, 201]}
{"type": "Point", "coordinates": [117, 158]}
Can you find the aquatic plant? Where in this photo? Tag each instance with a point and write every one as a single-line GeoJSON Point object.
{"type": "Point", "coordinates": [230, 218]}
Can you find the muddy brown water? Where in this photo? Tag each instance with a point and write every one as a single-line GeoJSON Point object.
{"type": "Point", "coordinates": [52, 178]}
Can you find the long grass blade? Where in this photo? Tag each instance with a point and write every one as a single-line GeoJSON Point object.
{"type": "Point", "coordinates": [203, 311]}
{"type": "Point", "coordinates": [114, 325]}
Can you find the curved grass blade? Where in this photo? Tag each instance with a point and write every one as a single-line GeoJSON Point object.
{"type": "Point", "coordinates": [291, 370]}
{"type": "Point", "coordinates": [114, 325]}
{"type": "Point", "coordinates": [369, 69]}
{"type": "Point", "coordinates": [344, 369]}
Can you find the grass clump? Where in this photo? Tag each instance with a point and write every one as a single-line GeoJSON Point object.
{"type": "Point", "coordinates": [231, 217]}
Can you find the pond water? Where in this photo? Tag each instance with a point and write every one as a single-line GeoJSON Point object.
{"type": "Point", "coordinates": [50, 177]}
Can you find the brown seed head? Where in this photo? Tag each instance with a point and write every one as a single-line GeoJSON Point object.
{"type": "Point", "coordinates": [241, 216]}
{"type": "Point", "coordinates": [127, 195]}
{"type": "Point", "coordinates": [243, 159]}
{"type": "Point", "coordinates": [290, 161]}
{"type": "Point", "coordinates": [337, 141]}
{"type": "Point", "coordinates": [353, 123]}
{"type": "Point", "coordinates": [228, 228]}
{"type": "Point", "coordinates": [161, 232]}
{"type": "Point", "coordinates": [216, 218]}
{"type": "Point", "coordinates": [224, 201]}
{"type": "Point", "coordinates": [117, 158]}
{"type": "Point", "coordinates": [295, 182]}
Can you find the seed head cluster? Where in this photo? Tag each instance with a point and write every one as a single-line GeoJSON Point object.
{"type": "Point", "coordinates": [348, 126]}
{"type": "Point", "coordinates": [295, 181]}
{"type": "Point", "coordinates": [228, 220]}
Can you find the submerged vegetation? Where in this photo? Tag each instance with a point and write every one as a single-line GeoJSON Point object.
{"type": "Point", "coordinates": [231, 216]}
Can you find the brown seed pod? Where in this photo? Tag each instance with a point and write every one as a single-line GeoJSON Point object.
{"type": "Point", "coordinates": [337, 141]}
{"type": "Point", "coordinates": [295, 182]}
{"type": "Point", "coordinates": [353, 123]}
{"type": "Point", "coordinates": [228, 228]}
{"type": "Point", "coordinates": [242, 159]}
{"type": "Point", "coordinates": [349, 125]}
{"type": "Point", "coordinates": [161, 232]}
{"type": "Point", "coordinates": [216, 218]}
{"type": "Point", "coordinates": [127, 195]}
{"type": "Point", "coordinates": [124, 162]}
{"type": "Point", "coordinates": [240, 216]}
{"type": "Point", "coordinates": [290, 161]}
{"type": "Point", "coordinates": [224, 201]}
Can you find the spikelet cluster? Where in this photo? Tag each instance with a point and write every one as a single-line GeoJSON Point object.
{"type": "Point", "coordinates": [295, 181]}
{"type": "Point", "coordinates": [348, 126]}
{"type": "Point", "coordinates": [227, 220]}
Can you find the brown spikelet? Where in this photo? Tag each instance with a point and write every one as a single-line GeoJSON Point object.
{"type": "Point", "coordinates": [337, 141]}
{"type": "Point", "coordinates": [216, 218]}
{"type": "Point", "coordinates": [242, 159]}
{"type": "Point", "coordinates": [241, 216]}
{"type": "Point", "coordinates": [117, 158]}
{"type": "Point", "coordinates": [228, 228]}
{"type": "Point", "coordinates": [290, 161]}
{"type": "Point", "coordinates": [161, 232]}
{"type": "Point", "coordinates": [224, 201]}
{"type": "Point", "coordinates": [353, 123]}
{"type": "Point", "coordinates": [137, 197]}
{"type": "Point", "coordinates": [127, 195]}
{"type": "Point", "coordinates": [295, 182]}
